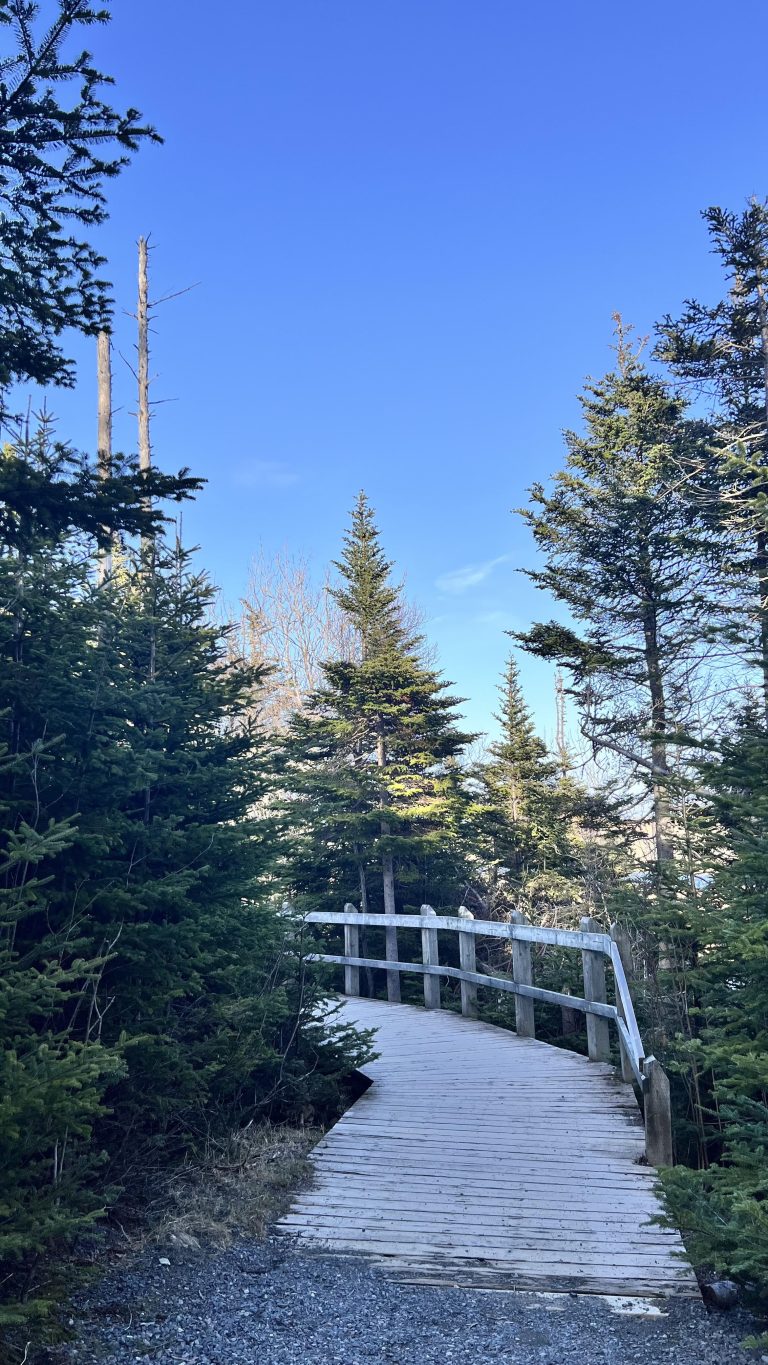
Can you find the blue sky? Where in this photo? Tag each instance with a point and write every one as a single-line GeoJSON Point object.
{"type": "Point", "coordinates": [411, 223]}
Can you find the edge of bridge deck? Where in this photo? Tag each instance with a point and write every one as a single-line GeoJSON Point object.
{"type": "Point", "coordinates": [481, 1158]}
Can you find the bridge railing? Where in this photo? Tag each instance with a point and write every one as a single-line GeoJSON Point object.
{"type": "Point", "coordinates": [597, 949]}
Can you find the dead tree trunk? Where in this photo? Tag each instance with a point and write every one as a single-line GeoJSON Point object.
{"type": "Point", "coordinates": [761, 545]}
{"type": "Point", "coordinates": [145, 451]}
{"type": "Point", "coordinates": [145, 448]}
{"type": "Point", "coordinates": [104, 433]}
{"type": "Point", "coordinates": [145, 465]}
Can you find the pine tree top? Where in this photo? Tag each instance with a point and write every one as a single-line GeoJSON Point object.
{"type": "Point", "coordinates": [371, 601]}
{"type": "Point", "coordinates": [519, 746]}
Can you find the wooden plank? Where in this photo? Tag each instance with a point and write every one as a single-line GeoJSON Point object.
{"type": "Point", "coordinates": [567, 1254]}
{"type": "Point", "coordinates": [526, 1236]}
{"type": "Point", "coordinates": [542, 1215]}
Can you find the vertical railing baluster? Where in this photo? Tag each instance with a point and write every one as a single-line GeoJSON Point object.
{"type": "Point", "coordinates": [598, 1030]}
{"type": "Point", "coordinates": [392, 955]}
{"type": "Point", "coordinates": [468, 963]}
{"type": "Point", "coordinates": [430, 958]}
{"type": "Point", "coordinates": [522, 971]}
{"type": "Point", "coordinates": [351, 949]}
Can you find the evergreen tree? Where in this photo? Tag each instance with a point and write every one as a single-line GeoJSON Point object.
{"type": "Point", "coordinates": [722, 351]}
{"type": "Point", "coordinates": [524, 812]}
{"type": "Point", "coordinates": [149, 987]}
{"type": "Point", "coordinates": [629, 557]}
{"type": "Point", "coordinates": [374, 757]}
{"type": "Point", "coordinates": [550, 846]}
{"type": "Point", "coordinates": [56, 134]}
{"type": "Point", "coordinates": [722, 1207]}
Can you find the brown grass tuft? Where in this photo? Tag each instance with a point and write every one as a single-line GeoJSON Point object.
{"type": "Point", "coordinates": [242, 1186]}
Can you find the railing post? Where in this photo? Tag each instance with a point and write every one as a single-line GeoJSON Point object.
{"type": "Point", "coordinates": [522, 971]}
{"type": "Point", "coordinates": [468, 963]}
{"type": "Point", "coordinates": [657, 1110]}
{"type": "Point", "coordinates": [351, 949]}
{"type": "Point", "coordinates": [598, 1031]}
{"type": "Point", "coordinates": [621, 939]}
{"type": "Point", "coordinates": [430, 958]}
{"type": "Point", "coordinates": [392, 955]}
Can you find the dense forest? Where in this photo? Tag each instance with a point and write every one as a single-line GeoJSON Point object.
{"type": "Point", "coordinates": [176, 791]}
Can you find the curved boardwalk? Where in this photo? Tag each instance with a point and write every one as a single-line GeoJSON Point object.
{"type": "Point", "coordinates": [480, 1158]}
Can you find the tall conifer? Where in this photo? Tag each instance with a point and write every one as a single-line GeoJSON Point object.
{"type": "Point", "coordinates": [375, 755]}
{"type": "Point", "coordinates": [722, 352]}
{"type": "Point", "coordinates": [628, 554]}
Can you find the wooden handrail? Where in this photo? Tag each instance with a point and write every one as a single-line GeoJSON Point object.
{"type": "Point", "coordinates": [531, 933]}
{"type": "Point", "coordinates": [595, 947]}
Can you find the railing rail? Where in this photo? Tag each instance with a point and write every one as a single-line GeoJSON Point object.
{"type": "Point", "coordinates": [598, 949]}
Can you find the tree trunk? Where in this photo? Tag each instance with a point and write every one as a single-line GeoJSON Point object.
{"type": "Point", "coordinates": [659, 758]}
{"type": "Point", "coordinates": [145, 449]}
{"type": "Point", "coordinates": [388, 876]}
{"type": "Point", "coordinates": [387, 861]}
{"type": "Point", "coordinates": [104, 435]}
{"type": "Point", "coordinates": [364, 907]}
{"type": "Point", "coordinates": [145, 464]}
{"type": "Point", "coordinates": [761, 546]}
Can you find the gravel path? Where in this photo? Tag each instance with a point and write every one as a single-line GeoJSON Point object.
{"type": "Point", "coordinates": [266, 1304]}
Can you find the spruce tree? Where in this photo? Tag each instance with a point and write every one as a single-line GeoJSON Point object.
{"type": "Point", "coordinates": [545, 842]}
{"type": "Point", "coordinates": [722, 1207]}
{"type": "Point", "coordinates": [523, 811]}
{"type": "Point", "coordinates": [148, 982]}
{"type": "Point", "coordinates": [60, 142]}
{"type": "Point", "coordinates": [374, 758]}
{"type": "Point", "coordinates": [628, 555]}
{"type": "Point", "coordinates": [722, 353]}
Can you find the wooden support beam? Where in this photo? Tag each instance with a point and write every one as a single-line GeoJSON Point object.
{"type": "Point", "coordinates": [468, 964]}
{"type": "Point", "coordinates": [351, 949]}
{"type": "Point", "coordinates": [522, 971]}
{"type": "Point", "coordinates": [431, 958]}
{"type": "Point", "coordinates": [621, 939]}
{"type": "Point", "coordinates": [658, 1114]}
{"type": "Point", "coordinates": [598, 1032]}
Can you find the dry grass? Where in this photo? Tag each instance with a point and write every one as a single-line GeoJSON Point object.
{"type": "Point", "coordinates": [242, 1186]}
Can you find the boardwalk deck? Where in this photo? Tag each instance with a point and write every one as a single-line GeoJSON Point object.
{"type": "Point", "coordinates": [478, 1157]}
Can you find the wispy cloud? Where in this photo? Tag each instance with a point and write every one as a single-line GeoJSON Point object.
{"type": "Point", "coordinates": [264, 474]}
{"type": "Point", "coordinates": [470, 576]}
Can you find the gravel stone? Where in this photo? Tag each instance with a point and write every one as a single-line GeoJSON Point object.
{"type": "Point", "coordinates": [266, 1303]}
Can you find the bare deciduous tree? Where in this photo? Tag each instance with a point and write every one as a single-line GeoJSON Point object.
{"type": "Point", "coordinates": [291, 623]}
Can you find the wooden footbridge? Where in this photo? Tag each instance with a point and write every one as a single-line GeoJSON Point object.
{"type": "Point", "coordinates": [483, 1157]}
